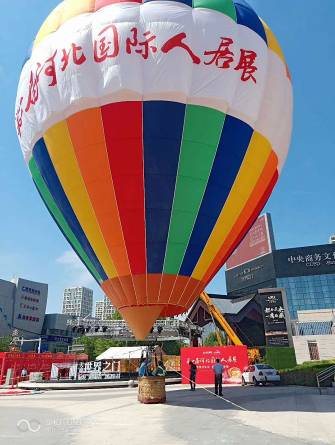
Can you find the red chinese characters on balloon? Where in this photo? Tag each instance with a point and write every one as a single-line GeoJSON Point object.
{"type": "Point", "coordinates": [143, 47]}
{"type": "Point", "coordinates": [78, 56]}
{"type": "Point", "coordinates": [177, 42]}
{"type": "Point", "coordinates": [33, 89]}
{"type": "Point", "coordinates": [246, 64]}
{"type": "Point", "coordinates": [50, 69]}
{"type": "Point", "coordinates": [222, 57]}
{"type": "Point", "coordinates": [18, 117]}
{"type": "Point", "coordinates": [107, 47]}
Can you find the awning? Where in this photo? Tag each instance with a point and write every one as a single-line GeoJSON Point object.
{"type": "Point", "coordinates": [122, 353]}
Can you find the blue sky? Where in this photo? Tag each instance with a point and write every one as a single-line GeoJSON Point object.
{"type": "Point", "coordinates": [302, 205]}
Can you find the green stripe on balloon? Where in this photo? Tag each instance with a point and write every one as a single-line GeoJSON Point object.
{"type": "Point", "coordinates": [227, 7]}
{"type": "Point", "coordinates": [201, 136]}
{"type": "Point", "coordinates": [59, 218]}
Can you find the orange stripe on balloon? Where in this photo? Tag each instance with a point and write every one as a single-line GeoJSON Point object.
{"type": "Point", "coordinates": [251, 210]}
{"type": "Point", "coordinates": [112, 293]}
{"type": "Point", "coordinates": [88, 137]}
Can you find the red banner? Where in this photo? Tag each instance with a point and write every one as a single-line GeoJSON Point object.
{"type": "Point", "coordinates": [256, 243]}
{"type": "Point", "coordinates": [233, 358]}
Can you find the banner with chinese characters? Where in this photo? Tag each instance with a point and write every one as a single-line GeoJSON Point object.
{"type": "Point", "coordinates": [257, 242]}
{"type": "Point", "coordinates": [96, 370]}
{"type": "Point", "coordinates": [233, 358]}
{"type": "Point", "coordinates": [273, 312]}
{"type": "Point", "coordinates": [303, 261]}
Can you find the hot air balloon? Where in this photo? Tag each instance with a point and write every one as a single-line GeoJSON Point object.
{"type": "Point", "coordinates": [154, 132]}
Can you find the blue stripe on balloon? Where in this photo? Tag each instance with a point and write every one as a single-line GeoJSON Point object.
{"type": "Point", "coordinates": [185, 2]}
{"type": "Point", "coordinates": [246, 16]}
{"type": "Point", "coordinates": [162, 134]}
{"type": "Point", "coordinates": [50, 177]}
{"type": "Point", "coordinates": [232, 147]}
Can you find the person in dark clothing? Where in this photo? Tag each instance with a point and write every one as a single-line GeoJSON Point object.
{"type": "Point", "coordinates": [218, 370]}
{"type": "Point", "coordinates": [160, 371]}
{"type": "Point", "coordinates": [193, 374]}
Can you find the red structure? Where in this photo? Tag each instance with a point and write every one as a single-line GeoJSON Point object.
{"type": "Point", "coordinates": [33, 362]}
{"type": "Point", "coordinates": [234, 359]}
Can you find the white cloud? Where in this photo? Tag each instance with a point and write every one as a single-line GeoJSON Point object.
{"type": "Point", "coordinates": [80, 276]}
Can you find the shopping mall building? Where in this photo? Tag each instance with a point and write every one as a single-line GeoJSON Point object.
{"type": "Point", "coordinates": [302, 278]}
{"type": "Point", "coordinates": [306, 273]}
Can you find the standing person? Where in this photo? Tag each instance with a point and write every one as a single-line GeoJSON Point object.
{"type": "Point", "coordinates": [193, 374]}
{"type": "Point", "coordinates": [218, 371]}
{"type": "Point", "coordinates": [24, 373]}
{"type": "Point", "coordinates": [143, 369]}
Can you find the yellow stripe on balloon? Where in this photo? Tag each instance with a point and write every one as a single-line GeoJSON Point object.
{"type": "Point", "coordinates": [252, 166]}
{"type": "Point", "coordinates": [50, 25]}
{"type": "Point", "coordinates": [62, 154]}
{"type": "Point", "coordinates": [63, 12]}
{"type": "Point", "coordinates": [273, 42]}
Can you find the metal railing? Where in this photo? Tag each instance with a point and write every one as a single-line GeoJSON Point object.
{"type": "Point", "coordinates": [171, 329]}
{"type": "Point", "coordinates": [301, 328]}
{"type": "Point", "coordinates": [325, 375]}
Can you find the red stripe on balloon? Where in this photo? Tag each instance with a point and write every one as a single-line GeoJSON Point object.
{"type": "Point", "coordinates": [124, 140]}
{"type": "Point", "coordinates": [102, 3]}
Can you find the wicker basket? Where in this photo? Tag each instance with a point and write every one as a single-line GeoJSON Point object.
{"type": "Point", "coordinates": [151, 390]}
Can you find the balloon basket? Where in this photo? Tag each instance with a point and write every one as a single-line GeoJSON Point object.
{"type": "Point", "coordinates": [151, 390]}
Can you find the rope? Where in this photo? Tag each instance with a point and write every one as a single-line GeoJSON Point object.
{"type": "Point", "coordinates": [213, 393]}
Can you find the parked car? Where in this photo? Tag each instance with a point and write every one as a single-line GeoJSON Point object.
{"type": "Point", "coordinates": [260, 373]}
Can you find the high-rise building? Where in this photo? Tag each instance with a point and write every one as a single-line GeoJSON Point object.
{"type": "Point", "coordinates": [78, 301]}
{"type": "Point", "coordinates": [99, 309]}
{"type": "Point", "coordinates": [109, 309]}
{"type": "Point", "coordinates": [104, 309]}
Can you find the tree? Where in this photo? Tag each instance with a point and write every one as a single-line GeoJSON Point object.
{"type": "Point", "coordinates": [172, 347]}
{"type": "Point", "coordinates": [211, 339]}
{"type": "Point", "coordinates": [116, 316]}
{"type": "Point", "coordinates": [5, 343]}
{"type": "Point", "coordinates": [89, 345]}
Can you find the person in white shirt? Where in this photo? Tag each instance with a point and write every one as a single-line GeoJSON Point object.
{"type": "Point", "coordinates": [218, 371]}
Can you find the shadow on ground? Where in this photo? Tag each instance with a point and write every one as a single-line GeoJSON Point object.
{"type": "Point", "coordinates": [261, 399]}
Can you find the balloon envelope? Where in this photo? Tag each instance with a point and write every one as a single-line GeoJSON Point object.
{"type": "Point", "coordinates": [155, 132]}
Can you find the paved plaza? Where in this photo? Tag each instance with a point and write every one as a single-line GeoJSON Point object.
{"type": "Point", "coordinates": [270, 415]}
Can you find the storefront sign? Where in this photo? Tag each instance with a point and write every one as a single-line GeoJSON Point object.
{"type": "Point", "coordinates": [233, 358]}
{"type": "Point", "coordinates": [95, 371]}
{"type": "Point", "coordinates": [273, 312]}
{"type": "Point", "coordinates": [316, 260]}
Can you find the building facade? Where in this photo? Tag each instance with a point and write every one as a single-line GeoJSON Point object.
{"type": "Point", "coordinates": [99, 309]}
{"type": "Point", "coordinates": [314, 335]}
{"type": "Point", "coordinates": [104, 310]}
{"type": "Point", "coordinates": [306, 273]}
{"type": "Point", "coordinates": [57, 335]}
{"type": "Point", "coordinates": [78, 301]}
{"type": "Point", "coordinates": [22, 307]}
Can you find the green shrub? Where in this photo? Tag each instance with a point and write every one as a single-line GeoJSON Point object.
{"type": "Point", "coordinates": [280, 358]}
{"type": "Point", "coordinates": [305, 374]}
